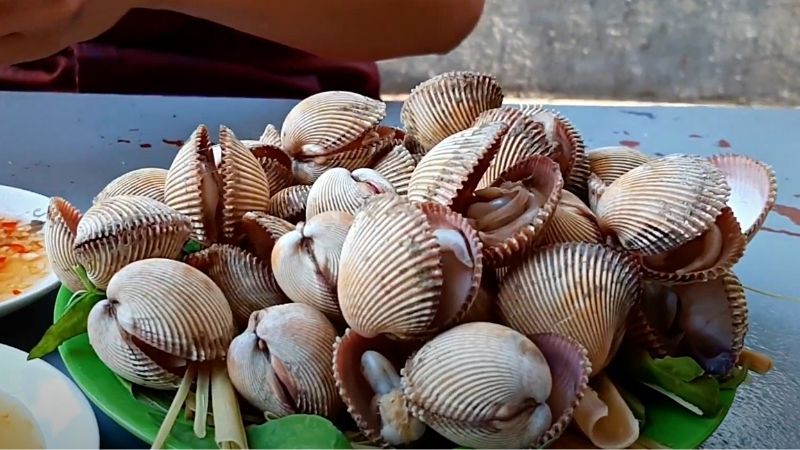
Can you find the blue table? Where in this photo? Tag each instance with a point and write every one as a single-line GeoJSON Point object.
{"type": "Point", "coordinates": [72, 145]}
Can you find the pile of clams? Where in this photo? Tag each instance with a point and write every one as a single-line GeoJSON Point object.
{"type": "Point", "coordinates": [468, 276]}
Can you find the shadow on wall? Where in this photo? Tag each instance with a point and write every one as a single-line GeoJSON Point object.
{"type": "Point", "coordinates": [692, 51]}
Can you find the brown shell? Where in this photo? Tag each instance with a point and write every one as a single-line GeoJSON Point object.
{"type": "Point", "coordinates": [569, 146]}
{"type": "Point", "coordinates": [446, 104]}
{"type": "Point", "coordinates": [59, 240]}
{"type": "Point", "coordinates": [578, 181]}
{"type": "Point", "coordinates": [277, 166]}
{"type": "Point", "coordinates": [246, 280]}
{"type": "Point", "coordinates": [731, 246]}
{"type": "Point", "coordinates": [120, 230]}
{"type": "Point", "coordinates": [538, 174]}
{"type": "Point", "coordinates": [393, 236]}
{"type": "Point", "coordinates": [596, 189]}
{"type": "Point", "coordinates": [451, 170]}
{"type": "Point", "coordinates": [583, 291]}
{"type": "Point", "coordinates": [754, 189]}
{"type": "Point", "coordinates": [525, 138]}
{"type": "Point", "coordinates": [502, 375]}
{"type": "Point", "coordinates": [147, 182]}
{"type": "Point", "coordinates": [262, 231]}
{"type": "Point", "coordinates": [271, 136]}
{"type": "Point", "coordinates": [663, 203]}
{"type": "Point", "coordinates": [610, 163]}
{"type": "Point", "coordinates": [340, 190]}
{"type": "Point", "coordinates": [572, 221]}
{"type": "Point", "coordinates": [290, 203]}
{"type": "Point", "coordinates": [396, 167]}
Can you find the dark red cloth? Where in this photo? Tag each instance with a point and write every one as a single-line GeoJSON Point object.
{"type": "Point", "coordinates": [157, 52]}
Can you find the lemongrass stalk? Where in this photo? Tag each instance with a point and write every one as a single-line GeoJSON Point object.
{"type": "Point", "coordinates": [174, 408]}
{"type": "Point", "coordinates": [229, 430]}
{"type": "Point", "coordinates": [201, 398]}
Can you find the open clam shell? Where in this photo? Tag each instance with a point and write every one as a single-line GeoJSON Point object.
{"type": "Point", "coordinates": [246, 280]}
{"type": "Point", "coordinates": [450, 171]}
{"type": "Point", "coordinates": [754, 189]}
{"type": "Point", "coordinates": [706, 257]}
{"type": "Point", "coordinates": [569, 149]}
{"type": "Point", "coordinates": [262, 232]}
{"type": "Point", "coordinates": [572, 221]}
{"type": "Point", "coordinates": [511, 214]}
{"type": "Point", "coordinates": [277, 166]}
{"type": "Point", "coordinates": [446, 104]}
{"type": "Point", "coordinates": [396, 167]}
{"type": "Point", "coordinates": [583, 291]}
{"type": "Point", "coordinates": [359, 395]}
{"type": "Point", "coordinates": [525, 138]}
{"type": "Point", "coordinates": [596, 188]}
{"type": "Point", "coordinates": [663, 203]}
{"type": "Point", "coordinates": [610, 163]}
{"type": "Point", "coordinates": [147, 182]}
{"type": "Point", "coordinates": [290, 203]}
{"type": "Point", "coordinates": [271, 136]}
{"type": "Point", "coordinates": [407, 269]}
{"type": "Point", "coordinates": [339, 189]}
{"type": "Point", "coordinates": [652, 322]}
{"type": "Point", "coordinates": [120, 230]}
{"type": "Point", "coordinates": [60, 230]}
{"type": "Point", "coordinates": [305, 261]}
{"type": "Point", "coordinates": [282, 363]}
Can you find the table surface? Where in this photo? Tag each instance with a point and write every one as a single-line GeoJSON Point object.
{"type": "Point", "coordinates": [72, 145]}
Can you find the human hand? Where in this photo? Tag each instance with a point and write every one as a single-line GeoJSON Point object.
{"type": "Point", "coordinates": [33, 29]}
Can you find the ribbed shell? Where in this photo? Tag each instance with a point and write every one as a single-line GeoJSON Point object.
{"type": "Point", "coordinates": [302, 339]}
{"type": "Point", "coordinates": [733, 247]}
{"type": "Point", "coordinates": [325, 122]}
{"type": "Point", "coordinates": [451, 170]}
{"type": "Point", "coordinates": [277, 166]}
{"type": "Point", "coordinates": [540, 173]}
{"type": "Point", "coordinates": [396, 167]}
{"type": "Point", "coordinates": [446, 104]}
{"type": "Point", "coordinates": [596, 189]}
{"type": "Point", "coordinates": [391, 271]}
{"type": "Point", "coordinates": [262, 231]}
{"type": "Point", "coordinates": [306, 261]}
{"type": "Point", "coordinates": [464, 380]}
{"type": "Point", "coordinates": [271, 136]}
{"type": "Point", "coordinates": [120, 230]}
{"type": "Point", "coordinates": [244, 184]}
{"type": "Point", "coordinates": [583, 291]}
{"type": "Point", "coordinates": [572, 221]}
{"type": "Point", "coordinates": [59, 240]}
{"type": "Point", "coordinates": [663, 203]}
{"type": "Point", "coordinates": [290, 203]}
{"type": "Point", "coordinates": [147, 182]}
{"type": "Point", "coordinates": [525, 138]}
{"type": "Point", "coordinates": [118, 352]}
{"type": "Point", "coordinates": [754, 189]}
{"type": "Point", "coordinates": [570, 149]}
{"type": "Point", "coordinates": [172, 307]}
{"type": "Point", "coordinates": [183, 187]}
{"type": "Point", "coordinates": [610, 163]}
{"type": "Point", "coordinates": [246, 281]}
{"type": "Point", "coordinates": [340, 190]}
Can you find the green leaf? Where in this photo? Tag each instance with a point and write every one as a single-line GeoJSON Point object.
{"type": "Point", "coordinates": [72, 323]}
{"type": "Point", "coordinates": [732, 381]}
{"type": "Point", "coordinates": [192, 246]}
{"type": "Point", "coordinates": [297, 431]}
{"type": "Point", "coordinates": [636, 405]}
{"type": "Point", "coordinates": [685, 368]}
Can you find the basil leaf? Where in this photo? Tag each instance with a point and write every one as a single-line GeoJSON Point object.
{"type": "Point", "coordinates": [297, 431]}
{"type": "Point", "coordinates": [192, 246]}
{"type": "Point", "coordinates": [685, 368]}
{"type": "Point", "coordinates": [72, 323]}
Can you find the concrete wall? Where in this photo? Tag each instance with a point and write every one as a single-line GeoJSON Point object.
{"type": "Point", "coordinates": [694, 51]}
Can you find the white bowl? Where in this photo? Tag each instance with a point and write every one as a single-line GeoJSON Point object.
{"type": "Point", "coordinates": [24, 205]}
{"type": "Point", "coordinates": [59, 409]}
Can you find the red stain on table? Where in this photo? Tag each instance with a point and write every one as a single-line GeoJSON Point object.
{"type": "Point", "coordinates": [632, 144]}
{"type": "Point", "coordinates": [786, 232]}
{"type": "Point", "coordinates": [173, 142]}
{"type": "Point", "coordinates": [695, 136]}
{"type": "Point", "coordinates": [789, 212]}
{"type": "Point", "coordinates": [145, 145]}
{"type": "Point", "coordinates": [722, 143]}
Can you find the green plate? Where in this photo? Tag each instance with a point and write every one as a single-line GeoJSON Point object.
{"type": "Point", "coordinates": [666, 423]}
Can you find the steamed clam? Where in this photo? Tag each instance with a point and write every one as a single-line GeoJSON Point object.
{"type": "Point", "coordinates": [147, 182]}
{"type": "Point", "coordinates": [339, 189]}
{"type": "Point", "coordinates": [59, 241]}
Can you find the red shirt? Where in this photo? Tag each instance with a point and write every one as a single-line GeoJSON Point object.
{"type": "Point", "coordinates": [157, 52]}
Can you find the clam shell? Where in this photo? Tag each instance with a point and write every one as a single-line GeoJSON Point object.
{"type": "Point", "coordinates": [487, 404]}
{"type": "Point", "coordinates": [305, 261]}
{"type": "Point", "coordinates": [446, 104]}
{"type": "Point", "coordinates": [290, 203]}
{"type": "Point", "coordinates": [147, 182]}
{"type": "Point", "coordinates": [244, 184]}
{"type": "Point", "coordinates": [754, 189]}
{"type": "Point", "coordinates": [720, 251]}
{"type": "Point", "coordinates": [663, 203]}
{"type": "Point", "coordinates": [340, 190]}
{"type": "Point", "coordinates": [451, 170]}
{"type": "Point", "coordinates": [392, 276]}
{"type": "Point", "coordinates": [277, 166]}
{"type": "Point", "coordinates": [610, 163]}
{"type": "Point", "coordinates": [525, 138]}
{"type": "Point", "coordinates": [59, 239]}
{"type": "Point", "coordinates": [604, 416]}
{"type": "Point", "coordinates": [541, 181]}
{"type": "Point", "coordinates": [271, 136]}
{"type": "Point", "coordinates": [596, 189]}
{"type": "Point", "coordinates": [120, 230]}
{"type": "Point", "coordinates": [263, 231]}
{"type": "Point", "coordinates": [572, 221]}
{"type": "Point", "coordinates": [196, 323]}
{"type": "Point", "coordinates": [396, 167]}
{"type": "Point", "coordinates": [651, 322]}
{"type": "Point", "coordinates": [246, 281]}
{"type": "Point", "coordinates": [569, 146]}
{"type": "Point", "coordinates": [583, 291]}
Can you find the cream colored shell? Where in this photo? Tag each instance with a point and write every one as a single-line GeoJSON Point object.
{"type": "Point", "coordinates": [339, 189]}
{"type": "Point", "coordinates": [290, 203]}
{"type": "Point", "coordinates": [147, 182]}
{"type": "Point", "coordinates": [396, 167]}
{"type": "Point", "coordinates": [59, 241]}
